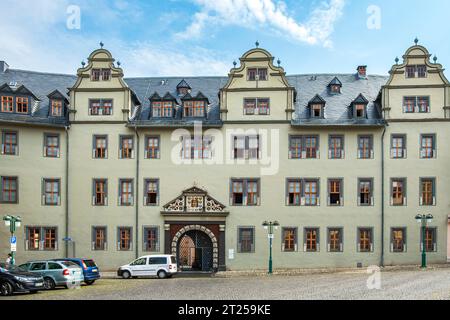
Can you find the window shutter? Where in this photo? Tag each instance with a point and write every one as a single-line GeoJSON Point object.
{"type": "Point", "coordinates": [106, 200]}
{"type": "Point", "coordinates": [93, 200]}
{"type": "Point", "coordinates": [93, 153]}
{"type": "Point", "coordinates": [421, 201]}
{"type": "Point", "coordinates": [434, 200]}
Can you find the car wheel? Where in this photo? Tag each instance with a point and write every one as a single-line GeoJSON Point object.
{"type": "Point", "coordinates": [126, 275]}
{"type": "Point", "coordinates": [162, 274]}
{"type": "Point", "coordinates": [89, 282]}
{"type": "Point", "coordinates": [6, 289]}
{"type": "Point", "coordinates": [49, 284]}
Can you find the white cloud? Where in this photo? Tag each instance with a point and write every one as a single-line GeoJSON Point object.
{"type": "Point", "coordinates": [317, 29]}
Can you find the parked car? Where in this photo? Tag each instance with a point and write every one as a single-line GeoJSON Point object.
{"type": "Point", "coordinates": [162, 266]}
{"type": "Point", "coordinates": [56, 273]}
{"type": "Point", "coordinates": [14, 279]}
{"type": "Point", "coordinates": [90, 270]}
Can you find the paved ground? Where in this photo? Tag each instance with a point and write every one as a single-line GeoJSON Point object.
{"type": "Point", "coordinates": [431, 284]}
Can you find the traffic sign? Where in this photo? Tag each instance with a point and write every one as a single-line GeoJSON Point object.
{"type": "Point", "coordinates": [13, 240]}
{"type": "Point", "coordinates": [13, 247]}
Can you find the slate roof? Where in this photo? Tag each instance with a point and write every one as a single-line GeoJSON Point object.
{"type": "Point", "coordinates": [337, 107]}
{"type": "Point", "coordinates": [41, 85]}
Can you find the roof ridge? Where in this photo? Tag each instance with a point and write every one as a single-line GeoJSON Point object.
{"type": "Point", "coordinates": [43, 73]}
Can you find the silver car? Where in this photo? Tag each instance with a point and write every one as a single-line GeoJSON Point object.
{"type": "Point", "coordinates": [56, 273]}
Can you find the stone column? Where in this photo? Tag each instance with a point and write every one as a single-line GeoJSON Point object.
{"type": "Point", "coordinates": [167, 240]}
{"type": "Point", "coordinates": [222, 253]}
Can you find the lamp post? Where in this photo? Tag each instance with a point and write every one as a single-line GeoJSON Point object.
{"type": "Point", "coordinates": [270, 226]}
{"type": "Point", "coordinates": [13, 223]}
{"type": "Point", "coordinates": [424, 220]}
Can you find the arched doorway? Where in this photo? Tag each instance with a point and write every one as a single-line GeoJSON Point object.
{"type": "Point", "coordinates": [195, 251]}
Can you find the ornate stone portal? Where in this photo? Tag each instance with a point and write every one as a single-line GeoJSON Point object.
{"type": "Point", "coordinates": [195, 214]}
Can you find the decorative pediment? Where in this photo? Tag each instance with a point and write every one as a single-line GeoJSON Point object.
{"type": "Point", "coordinates": [194, 201]}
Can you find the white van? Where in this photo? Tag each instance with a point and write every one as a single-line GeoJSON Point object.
{"type": "Point", "coordinates": [162, 266]}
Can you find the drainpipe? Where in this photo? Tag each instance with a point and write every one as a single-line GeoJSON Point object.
{"type": "Point", "coordinates": [382, 197]}
{"type": "Point", "coordinates": [137, 192]}
{"type": "Point", "coordinates": [67, 193]}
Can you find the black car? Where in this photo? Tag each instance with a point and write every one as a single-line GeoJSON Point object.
{"type": "Point", "coordinates": [14, 279]}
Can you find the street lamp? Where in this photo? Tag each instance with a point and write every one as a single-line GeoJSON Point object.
{"type": "Point", "coordinates": [424, 220]}
{"type": "Point", "coordinates": [270, 226]}
{"type": "Point", "coordinates": [13, 223]}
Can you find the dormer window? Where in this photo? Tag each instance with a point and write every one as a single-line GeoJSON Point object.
{"type": "Point", "coordinates": [101, 74]}
{"type": "Point", "coordinates": [257, 74]}
{"type": "Point", "coordinates": [194, 109]}
{"type": "Point", "coordinates": [359, 106]}
{"type": "Point", "coordinates": [56, 108]}
{"type": "Point", "coordinates": [162, 109]}
{"type": "Point", "coordinates": [334, 87]}
{"type": "Point", "coordinates": [7, 104]}
{"type": "Point", "coordinates": [22, 105]}
{"type": "Point", "coordinates": [317, 106]}
{"type": "Point", "coordinates": [416, 71]}
{"type": "Point", "coordinates": [183, 88]}
{"type": "Point", "coordinates": [360, 110]}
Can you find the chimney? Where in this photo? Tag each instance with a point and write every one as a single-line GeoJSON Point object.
{"type": "Point", "coordinates": [3, 66]}
{"type": "Point", "coordinates": [362, 72]}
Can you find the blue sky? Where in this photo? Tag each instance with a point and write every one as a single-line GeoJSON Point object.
{"type": "Point", "coordinates": [203, 37]}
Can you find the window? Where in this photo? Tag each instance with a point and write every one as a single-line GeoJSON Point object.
{"type": "Point", "coordinates": [22, 105]}
{"type": "Point", "coordinates": [194, 109]}
{"type": "Point", "coordinates": [51, 192]}
{"type": "Point", "coordinates": [101, 74]}
{"type": "Point", "coordinates": [125, 192]}
{"type": "Point", "coordinates": [428, 192]}
{"type": "Point", "coordinates": [151, 192]}
{"type": "Point", "coordinates": [259, 106]}
{"type": "Point", "coordinates": [317, 111]}
{"type": "Point", "coordinates": [51, 145]}
{"type": "Point", "coordinates": [7, 104]}
{"type": "Point", "coordinates": [427, 146]}
{"type": "Point", "coordinates": [152, 148]}
{"type": "Point", "coordinates": [398, 147]}
{"type": "Point", "coordinates": [162, 109]}
{"type": "Point", "coordinates": [100, 107]}
{"type": "Point", "coordinates": [100, 196]}
{"type": "Point", "coordinates": [124, 239]}
{"type": "Point", "coordinates": [126, 147]}
{"type": "Point", "coordinates": [99, 239]}
{"type": "Point", "coordinates": [294, 190]}
{"type": "Point", "coordinates": [100, 147]}
{"type": "Point", "coordinates": [336, 147]}
{"type": "Point", "coordinates": [33, 238]}
{"type": "Point", "coordinates": [245, 192]}
{"type": "Point", "coordinates": [419, 104]}
{"type": "Point", "coordinates": [49, 238]}
{"type": "Point", "coordinates": [56, 108]}
{"type": "Point", "coordinates": [54, 266]}
{"type": "Point", "coordinates": [365, 192]}
{"type": "Point", "coordinates": [9, 143]}
{"type": "Point", "coordinates": [335, 194]}
{"type": "Point", "coordinates": [246, 239]}
{"type": "Point", "coordinates": [311, 239]}
{"type": "Point", "coordinates": [255, 74]}
{"type": "Point", "coordinates": [360, 111]}
{"type": "Point", "coordinates": [304, 147]}
{"type": "Point", "coordinates": [246, 147]}
{"type": "Point", "coordinates": [416, 71]}
{"type": "Point", "coordinates": [430, 240]}
{"type": "Point", "coordinates": [311, 192]}
{"type": "Point", "coordinates": [289, 240]}
{"type": "Point", "coordinates": [196, 148]}
{"type": "Point", "coordinates": [398, 239]}
{"type": "Point", "coordinates": [365, 241]}
{"type": "Point", "coordinates": [335, 237]}
{"type": "Point", "coordinates": [335, 88]}
{"type": "Point", "coordinates": [41, 238]}
{"type": "Point", "coordinates": [9, 190]}
{"type": "Point", "coordinates": [365, 147]}
{"type": "Point", "coordinates": [151, 239]}
{"type": "Point", "coordinates": [398, 197]}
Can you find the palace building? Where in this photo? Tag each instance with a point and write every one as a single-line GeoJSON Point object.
{"type": "Point", "coordinates": [112, 168]}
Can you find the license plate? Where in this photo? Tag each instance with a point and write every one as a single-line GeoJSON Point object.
{"type": "Point", "coordinates": [94, 270]}
{"type": "Point", "coordinates": [38, 284]}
